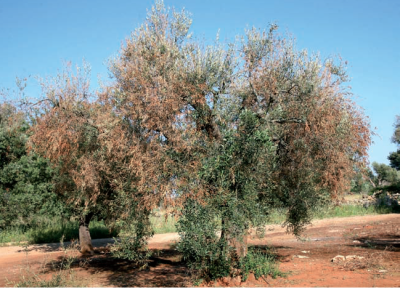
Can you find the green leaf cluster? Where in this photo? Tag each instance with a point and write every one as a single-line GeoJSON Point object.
{"type": "Point", "coordinates": [26, 189]}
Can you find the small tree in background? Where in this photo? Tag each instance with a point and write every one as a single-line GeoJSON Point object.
{"type": "Point", "coordinates": [64, 133]}
{"type": "Point", "coordinates": [394, 157]}
{"type": "Point", "coordinates": [94, 148]}
{"type": "Point", "coordinates": [385, 173]}
{"type": "Point", "coordinates": [81, 137]}
{"type": "Point", "coordinates": [26, 189]}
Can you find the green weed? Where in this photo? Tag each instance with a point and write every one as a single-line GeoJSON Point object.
{"type": "Point", "coordinates": [260, 263]}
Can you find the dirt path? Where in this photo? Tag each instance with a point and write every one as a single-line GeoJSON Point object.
{"type": "Point", "coordinates": [376, 238]}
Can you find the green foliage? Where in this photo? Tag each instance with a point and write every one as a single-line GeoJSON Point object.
{"type": "Point", "coordinates": [394, 158]}
{"type": "Point", "coordinates": [162, 225]}
{"type": "Point", "coordinates": [70, 230]}
{"type": "Point", "coordinates": [385, 173]}
{"type": "Point", "coordinates": [361, 183]}
{"type": "Point", "coordinates": [26, 189]}
{"type": "Point", "coordinates": [131, 248]}
{"type": "Point", "coordinates": [132, 242]}
{"type": "Point", "coordinates": [396, 134]}
{"type": "Point", "coordinates": [261, 263]}
{"type": "Point", "coordinates": [236, 172]}
{"type": "Point", "coordinates": [199, 243]}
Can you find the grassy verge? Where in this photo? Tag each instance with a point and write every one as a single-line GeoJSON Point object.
{"type": "Point", "coordinates": [350, 210]}
{"type": "Point", "coordinates": [277, 216]}
{"type": "Point", "coordinates": [52, 232]}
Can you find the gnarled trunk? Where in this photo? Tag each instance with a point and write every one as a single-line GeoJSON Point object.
{"type": "Point", "coordinates": [84, 235]}
{"type": "Point", "coordinates": [240, 244]}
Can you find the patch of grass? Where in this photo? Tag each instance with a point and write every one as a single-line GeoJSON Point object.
{"type": "Point", "coordinates": [52, 232]}
{"type": "Point", "coordinates": [350, 210]}
{"type": "Point", "coordinates": [277, 216]}
{"type": "Point", "coordinates": [12, 235]}
{"type": "Point", "coordinates": [260, 263]}
{"type": "Point", "coordinates": [70, 230]}
{"type": "Point", "coordinates": [352, 197]}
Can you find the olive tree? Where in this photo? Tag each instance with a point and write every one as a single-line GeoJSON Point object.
{"type": "Point", "coordinates": [231, 131]}
{"type": "Point", "coordinates": [221, 134]}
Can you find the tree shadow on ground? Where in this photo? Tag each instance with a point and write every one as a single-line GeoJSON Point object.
{"type": "Point", "coordinates": [55, 247]}
{"type": "Point", "coordinates": [164, 269]}
{"type": "Point", "coordinates": [271, 252]}
{"type": "Point", "coordinates": [385, 242]}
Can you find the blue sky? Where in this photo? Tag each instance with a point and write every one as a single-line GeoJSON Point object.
{"type": "Point", "coordinates": [37, 36]}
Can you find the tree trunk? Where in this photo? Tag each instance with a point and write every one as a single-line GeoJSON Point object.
{"type": "Point", "coordinates": [240, 244]}
{"type": "Point", "coordinates": [84, 235]}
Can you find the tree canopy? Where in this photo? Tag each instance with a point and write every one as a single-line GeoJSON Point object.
{"type": "Point", "coordinates": [235, 128]}
{"type": "Point", "coordinates": [220, 134]}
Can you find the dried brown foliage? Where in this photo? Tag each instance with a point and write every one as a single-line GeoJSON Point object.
{"type": "Point", "coordinates": [320, 132]}
{"type": "Point", "coordinates": [146, 136]}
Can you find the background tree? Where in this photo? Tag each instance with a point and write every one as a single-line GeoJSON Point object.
{"type": "Point", "coordinates": [67, 131]}
{"type": "Point", "coordinates": [94, 149]}
{"type": "Point", "coordinates": [385, 173]}
{"type": "Point", "coordinates": [394, 157]}
{"type": "Point", "coordinates": [26, 190]}
{"type": "Point", "coordinates": [363, 181]}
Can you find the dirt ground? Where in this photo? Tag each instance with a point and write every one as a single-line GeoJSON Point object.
{"type": "Point", "coordinates": [374, 240]}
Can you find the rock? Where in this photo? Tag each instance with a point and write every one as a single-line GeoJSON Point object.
{"type": "Point", "coordinates": [338, 258]}
{"type": "Point", "coordinates": [356, 242]}
{"type": "Point", "coordinates": [353, 257]}
{"type": "Point", "coordinates": [382, 271]}
{"type": "Point", "coordinates": [300, 257]}
{"type": "Point", "coordinates": [305, 252]}
{"type": "Point", "coordinates": [236, 281]}
{"type": "Point", "coordinates": [225, 280]}
{"type": "Point", "coordinates": [251, 278]}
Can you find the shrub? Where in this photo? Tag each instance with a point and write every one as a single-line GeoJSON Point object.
{"type": "Point", "coordinates": [260, 263]}
{"type": "Point", "coordinates": [201, 247]}
{"type": "Point", "coordinates": [132, 242]}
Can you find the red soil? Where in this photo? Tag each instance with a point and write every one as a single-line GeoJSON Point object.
{"type": "Point", "coordinates": [376, 238]}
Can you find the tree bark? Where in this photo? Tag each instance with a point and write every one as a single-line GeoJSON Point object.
{"type": "Point", "coordinates": [84, 235]}
{"type": "Point", "coordinates": [240, 244]}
